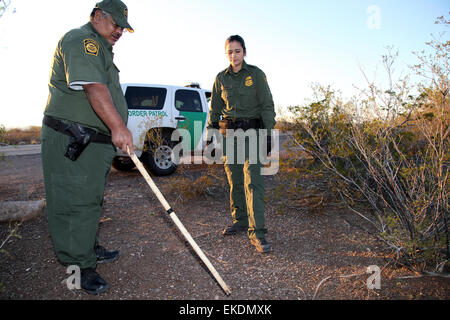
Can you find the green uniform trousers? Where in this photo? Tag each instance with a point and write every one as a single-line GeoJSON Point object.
{"type": "Point", "coordinates": [74, 194]}
{"type": "Point", "coordinates": [246, 187]}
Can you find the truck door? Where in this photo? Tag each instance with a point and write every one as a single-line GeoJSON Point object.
{"type": "Point", "coordinates": [148, 107]}
{"type": "Point", "coordinates": [189, 104]}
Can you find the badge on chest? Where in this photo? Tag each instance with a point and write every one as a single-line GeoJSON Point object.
{"type": "Point", "coordinates": [248, 81]}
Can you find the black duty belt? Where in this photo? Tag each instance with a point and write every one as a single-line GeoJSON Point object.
{"type": "Point", "coordinates": [62, 127]}
{"type": "Point", "coordinates": [243, 124]}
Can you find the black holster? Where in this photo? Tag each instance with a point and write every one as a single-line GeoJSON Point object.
{"type": "Point", "coordinates": [80, 136]}
{"type": "Point", "coordinates": [79, 140]}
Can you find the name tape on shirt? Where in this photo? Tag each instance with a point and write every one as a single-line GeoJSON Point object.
{"type": "Point", "coordinates": [91, 47]}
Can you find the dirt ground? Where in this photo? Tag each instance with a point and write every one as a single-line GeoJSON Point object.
{"type": "Point", "coordinates": [316, 255]}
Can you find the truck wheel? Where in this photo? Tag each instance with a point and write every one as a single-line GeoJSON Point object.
{"type": "Point", "coordinates": [158, 157]}
{"type": "Point", "coordinates": [123, 163]}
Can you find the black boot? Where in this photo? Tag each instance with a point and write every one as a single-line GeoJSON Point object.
{"type": "Point", "coordinates": [104, 256]}
{"type": "Point", "coordinates": [261, 245]}
{"type": "Point", "coordinates": [233, 229]}
{"type": "Point", "coordinates": [91, 282]}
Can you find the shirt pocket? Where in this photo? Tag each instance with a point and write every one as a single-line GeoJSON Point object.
{"type": "Point", "coordinates": [113, 76]}
{"type": "Point", "coordinates": [228, 95]}
{"type": "Point", "coordinates": [227, 92]}
{"type": "Point", "coordinates": [248, 96]}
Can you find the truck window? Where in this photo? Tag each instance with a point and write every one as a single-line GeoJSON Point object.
{"type": "Point", "coordinates": [148, 98]}
{"type": "Point", "coordinates": [188, 100]}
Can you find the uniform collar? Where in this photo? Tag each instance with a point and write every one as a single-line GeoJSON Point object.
{"type": "Point", "coordinates": [230, 68]}
{"type": "Point", "coordinates": [89, 27]}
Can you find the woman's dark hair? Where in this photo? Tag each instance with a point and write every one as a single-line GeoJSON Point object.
{"type": "Point", "coordinates": [238, 39]}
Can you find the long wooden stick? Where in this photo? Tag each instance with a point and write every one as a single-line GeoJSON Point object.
{"type": "Point", "coordinates": [178, 223]}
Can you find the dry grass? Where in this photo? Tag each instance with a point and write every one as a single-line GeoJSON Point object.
{"type": "Point", "coordinates": [193, 183]}
{"type": "Point", "coordinates": [14, 136]}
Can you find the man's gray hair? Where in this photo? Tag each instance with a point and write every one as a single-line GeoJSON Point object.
{"type": "Point", "coordinates": [104, 13]}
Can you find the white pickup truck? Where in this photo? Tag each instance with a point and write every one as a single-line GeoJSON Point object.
{"type": "Point", "coordinates": [154, 112]}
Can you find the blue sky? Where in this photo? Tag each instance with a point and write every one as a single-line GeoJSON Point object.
{"type": "Point", "coordinates": [175, 42]}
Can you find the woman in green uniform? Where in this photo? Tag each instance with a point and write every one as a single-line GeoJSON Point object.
{"type": "Point", "coordinates": [241, 99]}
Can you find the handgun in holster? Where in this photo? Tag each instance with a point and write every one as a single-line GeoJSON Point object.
{"type": "Point", "coordinates": [79, 140]}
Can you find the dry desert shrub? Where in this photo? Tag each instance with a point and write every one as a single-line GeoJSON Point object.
{"type": "Point", "coordinates": [387, 150]}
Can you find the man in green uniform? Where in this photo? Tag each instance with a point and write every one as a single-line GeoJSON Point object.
{"type": "Point", "coordinates": [242, 98]}
{"type": "Point", "coordinates": [85, 117]}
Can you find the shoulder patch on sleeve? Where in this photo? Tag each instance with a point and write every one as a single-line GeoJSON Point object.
{"type": "Point", "coordinates": [90, 47]}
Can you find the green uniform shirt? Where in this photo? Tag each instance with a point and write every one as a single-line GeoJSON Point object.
{"type": "Point", "coordinates": [83, 56]}
{"type": "Point", "coordinates": [242, 95]}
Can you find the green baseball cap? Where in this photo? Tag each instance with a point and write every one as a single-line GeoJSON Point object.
{"type": "Point", "coordinates": [118, 11]}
